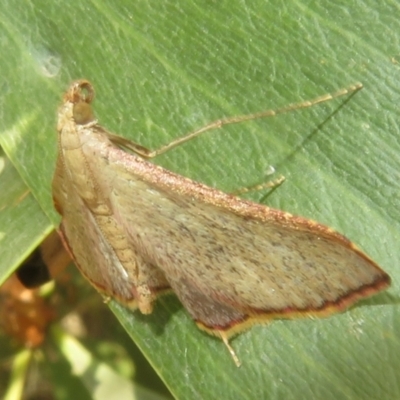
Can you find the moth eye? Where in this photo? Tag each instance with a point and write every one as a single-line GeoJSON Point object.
{"type": "Point", "coordinates": [83, 113]}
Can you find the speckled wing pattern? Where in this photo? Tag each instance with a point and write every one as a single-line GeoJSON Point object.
{"type": "Point", "coordinates": [136, 230]}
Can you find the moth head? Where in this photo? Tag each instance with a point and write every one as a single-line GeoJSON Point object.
{"type": "Point", "coordinates": [81, 94]}
{"type": "Point", "coordinates": [83, 113]}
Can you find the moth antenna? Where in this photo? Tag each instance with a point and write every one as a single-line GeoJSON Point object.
{"type": "Point", "coordinates": [351, 90]}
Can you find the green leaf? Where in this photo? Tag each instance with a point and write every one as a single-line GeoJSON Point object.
{"type": "Point", "coordinates": [164, 68]}
{"type": "Point", "coordinates": [23, 223]}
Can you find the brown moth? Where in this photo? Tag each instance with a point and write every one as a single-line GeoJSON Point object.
{"type": "Point", "coordinates": [136, 230]}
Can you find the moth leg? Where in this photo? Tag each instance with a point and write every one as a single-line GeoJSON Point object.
{"type": "Point", "coordinates": [211, 315]}
{"type": "Point", "coordinates": [147, 153]}
{"type": "Point", "coordinates": [266, 185]}
{"type": "Point", "coordinates": [230, 348]}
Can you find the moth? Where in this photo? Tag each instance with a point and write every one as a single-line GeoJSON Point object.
{"type": "Point", "coordinates": [136, 230]}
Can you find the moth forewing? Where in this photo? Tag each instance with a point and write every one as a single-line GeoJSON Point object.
{"type": "Point", "coordinates": [136, 230]}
